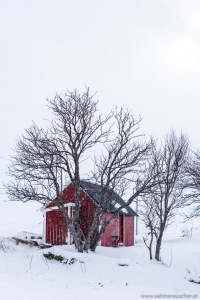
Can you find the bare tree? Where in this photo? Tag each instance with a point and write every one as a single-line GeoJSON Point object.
{"type": "Point", "coordinates": [44, 159]}
{"type": "Point", "coordinates": [149, 217]}
{"type": "Point", "coordinates": [192, 197]}
{"type": "Point", "coordinates": [123, 165]}
{"type": "Point", "coordinates": [170, 159]}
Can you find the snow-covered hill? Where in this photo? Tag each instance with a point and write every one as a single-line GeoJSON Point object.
{"type": "Point", "coordinates": [109, 273]}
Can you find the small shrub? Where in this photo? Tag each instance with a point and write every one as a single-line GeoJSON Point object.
{"type": "Point", "coordinates": [59, 258]}
{"type": "Point", "coordinates": [194, 281]}
{"type": "Point", "coordinates": [5, 245]}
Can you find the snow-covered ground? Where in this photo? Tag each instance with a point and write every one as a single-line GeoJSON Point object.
{"type": "Point", "coordinates": [110, 272]}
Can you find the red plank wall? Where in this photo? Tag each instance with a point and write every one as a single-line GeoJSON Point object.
{"type": "Point", "coordinates": [128, 230]}
{"type": "Point", "coordinates": [87, 211]}
{"type": "Point", "coordinates": [56, 228]}
{"type": "Point", "coordinates": [111, 232]}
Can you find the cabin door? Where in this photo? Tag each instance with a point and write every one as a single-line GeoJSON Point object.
{"type": "Point", "coordinates": [121, 228]}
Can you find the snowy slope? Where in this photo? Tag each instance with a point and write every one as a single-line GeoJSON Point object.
{"type": "Point", "coordinates": [26, 274]}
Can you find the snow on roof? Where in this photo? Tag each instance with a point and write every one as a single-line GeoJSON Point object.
{"type": "Point", "coordinates": [112, 200]}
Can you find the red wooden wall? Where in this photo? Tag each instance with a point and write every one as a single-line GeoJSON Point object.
{"type": "Point", "coordinates": [56, 228]}
{"type": "Point", "coordinates": [112, 232]}
{"type": "Point", "coordinates": [128, 230]}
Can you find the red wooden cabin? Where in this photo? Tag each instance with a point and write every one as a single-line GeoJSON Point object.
{"type": "Point", "coordinates": [119, 232]}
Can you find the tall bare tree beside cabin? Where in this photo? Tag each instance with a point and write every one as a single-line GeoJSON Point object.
{"type": "Point", "coordinates": [123, 165]}
{"type": "Point", "coordinates": [192, 197]}
{"type": "Point", "coordinates": [45, 158]}
{"type": "Point", "coordinates": [170, 158]}
{"type": "Point", "coordinates": [148, 216]}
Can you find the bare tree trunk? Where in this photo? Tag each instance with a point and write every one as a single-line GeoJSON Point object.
{"type": "Point", "coordinates": [158, 248]}
{"type": "Point", "coordinates": [159, 243]}
{"type": "Point", "coordinates": [150, 245]}
{"type": "Point", "coordinates": [97, 239]}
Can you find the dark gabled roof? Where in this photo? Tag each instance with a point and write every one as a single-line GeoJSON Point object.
{"type": "Point", "coordinates": [112, 199]}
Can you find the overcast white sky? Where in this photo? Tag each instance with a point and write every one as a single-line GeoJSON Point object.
{"type": "Point", "coordinates": [144, 54]}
